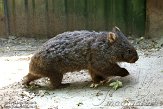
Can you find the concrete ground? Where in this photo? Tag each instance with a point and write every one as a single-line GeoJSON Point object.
{"type": "Point", "coordinates": [142, 89]}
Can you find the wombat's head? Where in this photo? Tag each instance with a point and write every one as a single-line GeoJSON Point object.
{"type": "Point", "coordinates": [122, 50]}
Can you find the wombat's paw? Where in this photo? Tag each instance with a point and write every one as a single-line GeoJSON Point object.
{"type": "Point", "coordinates": [25, 82]}
{"type": "Point", "coordinates": [108, 79]}
{"type": "Point", "coordinates": [124, 72]}
{"type": "Point", "coordinates": [94, 85]}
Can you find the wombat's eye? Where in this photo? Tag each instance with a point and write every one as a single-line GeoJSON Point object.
{"type": "Point", "coordinates": [129, 51]}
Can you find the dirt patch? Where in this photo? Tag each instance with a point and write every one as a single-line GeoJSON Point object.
{"type": "Point", "coordinates": [143, 88]}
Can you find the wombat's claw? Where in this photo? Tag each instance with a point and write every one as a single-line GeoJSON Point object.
{"type": "Point", "coordinates": [26, 84]}
{"type": "Point", "coordinates": [103, 82]}
{"type": "Point", "coordinates": [109, 79]}
{"type": "Point", "coordinates": [94, 85]}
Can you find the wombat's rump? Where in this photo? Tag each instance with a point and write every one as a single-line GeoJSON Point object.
{"type": "Point", "coordinates": [98, 52]}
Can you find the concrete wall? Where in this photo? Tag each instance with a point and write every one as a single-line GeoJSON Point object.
{"type": "Point", "coordinates": [154, 27]}
{"type": "Point", "coordinates": [46, 18]}
{"type": "Point", "coordinates": [39, 23]}
{"type": "Point", "coordinates": [2, 19]}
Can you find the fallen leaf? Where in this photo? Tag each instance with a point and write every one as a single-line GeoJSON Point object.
{"type": "Point", "coordinates": [116, 85]}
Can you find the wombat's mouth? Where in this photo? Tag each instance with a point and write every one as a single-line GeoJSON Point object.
{"type": "Point", "coordinates": [133, 59]}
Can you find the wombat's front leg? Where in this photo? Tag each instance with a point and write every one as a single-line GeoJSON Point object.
{"type": "Point", "coordinates": [118, 71]}
{"type": "Point", "coordinates": [94, 75]}
{"type": "Point", "coordinates": [95, 83]}
{"type": "Point", "coordinates": [97, 79]}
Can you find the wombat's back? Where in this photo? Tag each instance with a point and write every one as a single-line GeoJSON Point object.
{"type": "Point", "coordinates": [69, 51]}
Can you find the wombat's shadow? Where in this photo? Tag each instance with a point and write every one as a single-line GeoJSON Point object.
{"type": "Point", "coordinates": [44, 84]}
{"type": "Point", "coordinates": [35, 86]}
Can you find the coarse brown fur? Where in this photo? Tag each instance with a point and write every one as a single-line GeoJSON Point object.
{"type": "Point", "coordinates": [98, 52]}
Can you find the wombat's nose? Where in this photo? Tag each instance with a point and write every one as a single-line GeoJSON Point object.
{"type": "Point", "coordinates": [134, 59]}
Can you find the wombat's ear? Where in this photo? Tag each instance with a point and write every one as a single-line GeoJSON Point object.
{"type": "Point", "coordinates": [116, 29]}
{"type": "Point", "coordinates": [111, 37]}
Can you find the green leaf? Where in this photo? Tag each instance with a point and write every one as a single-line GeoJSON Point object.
{"type": "Point", "coordinates": [116, 85]}
{"type": "Point", "coordinates": [112, 84]}
{"type": "Point", "coordinates": [119, 83]}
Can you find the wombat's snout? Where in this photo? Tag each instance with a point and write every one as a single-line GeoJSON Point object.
{"type": "Point", "coordinates": [134, 58]}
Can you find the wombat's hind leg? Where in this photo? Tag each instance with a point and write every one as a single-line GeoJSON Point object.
{"type": "Point", "coordinates": [56, 80]}
{"type": "Point", "coordinates": [29, 77]}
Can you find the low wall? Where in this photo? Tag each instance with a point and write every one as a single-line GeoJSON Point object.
{"type": "Point", "coordinates": [154, 25]}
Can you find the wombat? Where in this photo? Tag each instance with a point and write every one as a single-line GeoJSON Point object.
{"type": "Point", "coordinates": [97, 52]}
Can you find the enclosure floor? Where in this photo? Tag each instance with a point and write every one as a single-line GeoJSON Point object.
{"type": "Point", "coordinates": [142, 89]}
